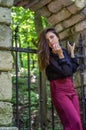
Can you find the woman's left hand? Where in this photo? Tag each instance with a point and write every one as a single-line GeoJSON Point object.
{"type": "Point", "coordinates": [71, 48]}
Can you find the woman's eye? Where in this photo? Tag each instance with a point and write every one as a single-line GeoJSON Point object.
{"type": "Point", "coordinates": [51, 37]}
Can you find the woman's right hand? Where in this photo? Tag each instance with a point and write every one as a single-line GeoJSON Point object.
{"type": "Point", "coordinates": [58, 50]}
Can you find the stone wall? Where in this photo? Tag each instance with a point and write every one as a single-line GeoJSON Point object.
{"type": "Point", "coordinates": [67, 16]}
{"type": "Point", "coordinates": [6, 113]}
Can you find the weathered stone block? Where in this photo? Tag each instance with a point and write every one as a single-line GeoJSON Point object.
{"type": "Point", "coordinates": [55, 18]}
{"type": "Point", "coordinates": [5, 60]}
{"type": "Point", "coordinates": [66, 33]}
{"type": "Point", "coordinates": [5, 86]}
{"type": "Point", "coordinates": [80, 26]}
{"type": "Point", "coordinates": [80, 3]}
{"type": "Point", "coordinates": [73, 20]}
{"type": "Point", "coordinates": [5, 113]}
{"type": "Point", "coordinates": [44, 12]}
{"type": "Point", "coordinates": [59, 27]}
{"type": "Point", "coordinates": [7, 3]}
{"type": "Point", "coordinates": [5, 36]}
{"type": "Point", "coordinates": [55, 6]}
{"type": "Point", "coordinates": [5, 15]}
{"type": "Point", "coordinates": [38, 5]}
{"type": "Point", "coordinates": [73, 9]}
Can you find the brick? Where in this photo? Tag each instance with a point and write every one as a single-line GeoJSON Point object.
{"type": "Point", "coordinates": [7, 3]}
{"type": "Point", "coordinates": [65, 34]}
{"type": "Point", "coordinates": [5, 15]}
{"type": "Point", "coordinates": [73, 9]}
{"type": "Point", "coordinates": [39, 5]}
{"type": "Point", "coordinates": [5, 94]}
{"type": "Point", "coordinates": [5, 36]}
{"type": "Point", "coordinates": [73, 20]}
{"type": "Point", "coordinates": [80, 3]}
{"type": "Point", "coordinates": [5, 61]}
{"type": "Point", "coordinates": [59, 27]}
{"type": "Point", "coordinates": [44, 12]}
{"type": "Point", "coordinates": [56, 18]}
{"type": "Point", "coordinates": [5, 113]}
{"type": "Point", "coordinates": [80, 26]}
{"type": "Point", "coordinates": [55, 6]}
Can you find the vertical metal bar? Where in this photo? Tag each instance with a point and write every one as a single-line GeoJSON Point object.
{"type": "Point", "coordinates": [82, 81]}
{"type": "Point", "coordinates": [41, 101]}
{"type": "Point", "coordinates": [17, 95]}
{"type": "Point", "coordinates": [52, 117]}
{"type": "Point", "coordinates": [29, 95]}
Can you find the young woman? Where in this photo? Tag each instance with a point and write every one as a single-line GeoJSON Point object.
{"type": "Point", "coordinates": [60, 66]}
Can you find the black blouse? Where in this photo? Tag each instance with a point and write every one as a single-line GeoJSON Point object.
{"type": "Point", "coordinates": [61, 68]}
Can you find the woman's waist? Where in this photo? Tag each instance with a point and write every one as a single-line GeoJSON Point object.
{"type": "Point", "coordinates": [62, 80]}
{"type": "Point", "coordinates": [62, 85]}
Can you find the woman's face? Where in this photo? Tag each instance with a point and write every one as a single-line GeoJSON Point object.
{"type": "Point", "coordinates": [52, 39]}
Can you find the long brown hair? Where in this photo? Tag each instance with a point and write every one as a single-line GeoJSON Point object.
{"type": "Point", "coordinates": [43, 48]}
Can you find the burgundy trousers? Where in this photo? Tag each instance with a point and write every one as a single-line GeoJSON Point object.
{"type": "Point", "coordinates": [66, 103]}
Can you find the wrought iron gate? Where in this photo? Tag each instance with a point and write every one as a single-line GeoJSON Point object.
{"type": "Point", "coordinates": [18, 109]}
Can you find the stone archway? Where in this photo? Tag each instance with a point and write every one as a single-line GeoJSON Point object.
{"type": "Point", "coordinates": [67, 16]}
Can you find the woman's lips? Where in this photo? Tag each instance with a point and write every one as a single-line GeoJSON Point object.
{"type": "Point", "coordinates": [52, 44]}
